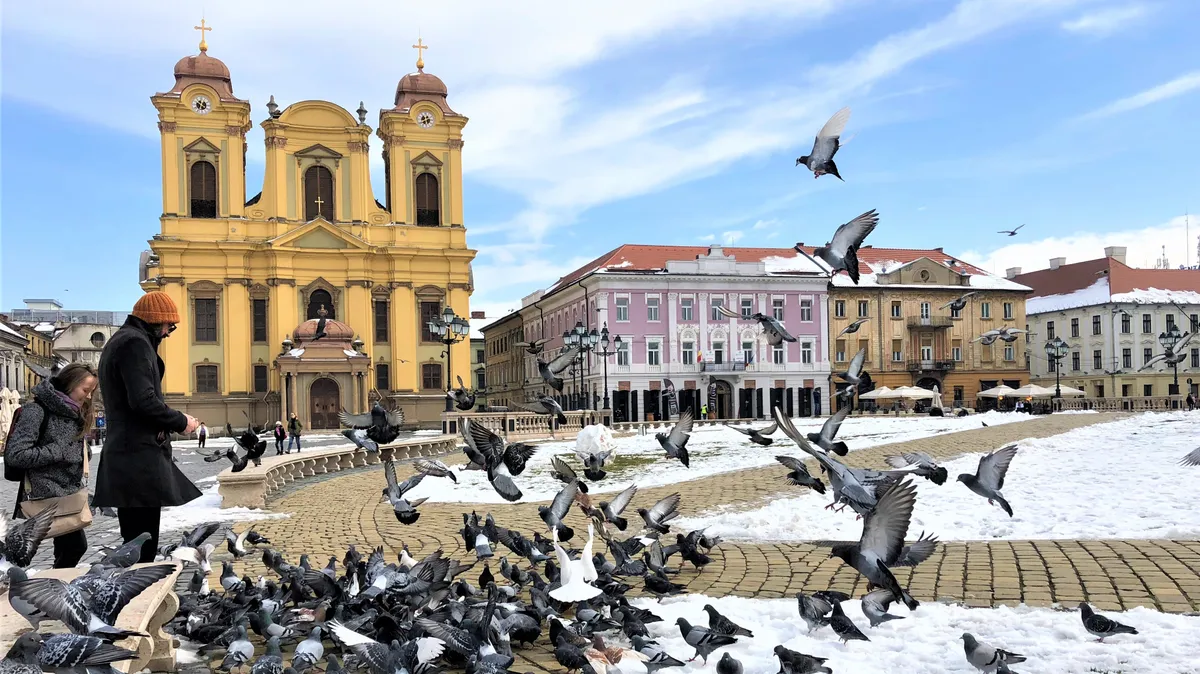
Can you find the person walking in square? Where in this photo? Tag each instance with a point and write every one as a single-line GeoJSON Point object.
{"type": "Point", "coordinates": [294, 427]}
{"type": "Point", "coordinates": [202, 434]}
{"type": "Point", "coordinates": [280, 436]}
{"type": "Point", "coordinates": [47, 445]}
{"type": "Point", "coordinates": [137, 475]}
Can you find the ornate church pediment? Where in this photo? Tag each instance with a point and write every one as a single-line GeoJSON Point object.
{"type": "Point", "coordinates": [201, 145]}
{"type": "Point", "coordinates": [426, 159]}
{"type": "Point", "coordinates": [319, 234]}
{"type": "Point", "coordinates": [318, 151]}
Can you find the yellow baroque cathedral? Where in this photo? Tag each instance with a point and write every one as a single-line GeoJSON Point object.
{"type": "Point", "coordinates": [252, 276]}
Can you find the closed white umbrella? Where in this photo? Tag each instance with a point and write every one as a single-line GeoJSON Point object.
{"type": "Point", "coordinates": [1069, 391]}
{"type": "Point", "coordinates": [937, 397]}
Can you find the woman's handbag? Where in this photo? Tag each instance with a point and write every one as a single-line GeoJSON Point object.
{"type": "Point", "coordinates": [73, 511]}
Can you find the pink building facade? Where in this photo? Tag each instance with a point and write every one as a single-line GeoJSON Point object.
{"type": "Point", "coordinates": [661, 301]}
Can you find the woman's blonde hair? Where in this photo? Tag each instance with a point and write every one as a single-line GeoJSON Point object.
{"type": "Point", "coordinates": [68, 379]}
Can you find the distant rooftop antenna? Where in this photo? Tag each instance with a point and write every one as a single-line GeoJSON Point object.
{"type": "Point", "coordinates": [1162, 262]}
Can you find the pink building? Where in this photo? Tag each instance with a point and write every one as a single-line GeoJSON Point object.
{"type": "Point", "coordinates": [661, 301]}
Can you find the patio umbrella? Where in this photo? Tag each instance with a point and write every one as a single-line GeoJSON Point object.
{"type": "Point", "coordinates": [911, 393]}
{"type": "Point", "coordinates": [996, 392]}
{"type": "Point", "coordinates": [937, 397]}
{"type": "Point", "coordinates": [1033, 391]}
{"type": "Point", "coordinates": [877, 393]}
{"type": "Point", "coordinates": [1069, 391]}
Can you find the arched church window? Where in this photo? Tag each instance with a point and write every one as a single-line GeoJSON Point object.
{"type": "Point", "coordinates": [203, 191]}
{"type": "Point", "coordinates": [320, 298]}
{"type": "Point", "coordinates": [428, 211]}
{"type": "Point", "coordinates": [318, 193]}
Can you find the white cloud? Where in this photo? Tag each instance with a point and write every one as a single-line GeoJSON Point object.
{"type": "Point", "coordinates": [1107, 20]}
{"type": "Point", "coordinates": [1144, 246]}
{"type": "Point", "coordinates": [732, 237]}
{"type": "Point", "coordinates": [765, 224]}
{"type": "Point", "coordinates": [1166, 91]}
{"type": "Point", "coordinates": [708, 237]}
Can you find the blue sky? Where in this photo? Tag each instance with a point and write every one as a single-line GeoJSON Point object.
{"type": "Point", "coordinates": [667, 122]}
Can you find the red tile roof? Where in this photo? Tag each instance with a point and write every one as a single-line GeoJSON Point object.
{"type": "Point", "coordinates": [1121, 278]}
{"type": "Point", "coordinates": [646, 258]}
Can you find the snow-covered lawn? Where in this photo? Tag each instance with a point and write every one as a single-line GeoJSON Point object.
{"type": "Point", "coordinates": [713, 450]}
{"type": "Point", "coordinates": [929, 640]}
{"type": "Point", "coordinates": [208, 508]}
{"type": "Point", "coordinates": [1114, 480]}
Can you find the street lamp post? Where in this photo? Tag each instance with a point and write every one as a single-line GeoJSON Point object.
{"type": "Point", "coordinates": [450, 329]}
{"type": "Point", "coordinates": [605, 354]}
{"type": "Point", "coordinates": [1056, 350]}
{"type": "Point", "coordinates": [1168, 340]}
{"type": "Point", "coordinates": [571, 340]}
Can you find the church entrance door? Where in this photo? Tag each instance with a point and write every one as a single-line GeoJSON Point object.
{"type": "Point", "coordinates": [324, 401]}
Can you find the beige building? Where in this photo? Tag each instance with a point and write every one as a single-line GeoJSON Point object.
{"type": "Point", "coordinates": [83, 342]}
{"type": "Point", "coordinates": [1114, 318]}
{"type": "Point", "coordinates": [504, 360]}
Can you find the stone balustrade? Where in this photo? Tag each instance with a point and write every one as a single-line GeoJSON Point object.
{"type": "Point", "coordinates": [520, 424]}
{"type": "Point", "coordinates": [1125, 404]}
{"type": "Point", "coordinates": [639, 426]}
{"type": "Point", "coordinates": [251, 487]}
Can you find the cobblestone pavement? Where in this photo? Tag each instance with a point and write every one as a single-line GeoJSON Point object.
{"type": "Point", "coordinates": [331, 514]}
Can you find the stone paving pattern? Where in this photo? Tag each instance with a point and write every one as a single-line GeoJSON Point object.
{"type": "Point", "coordinates": [1112, 574]}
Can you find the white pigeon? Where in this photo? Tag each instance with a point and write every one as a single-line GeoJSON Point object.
{"type": "Point", "coordinates": [575, 575]}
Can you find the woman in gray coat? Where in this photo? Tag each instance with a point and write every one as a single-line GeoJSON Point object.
{"type": "Point", "coordinates": [53, 462]}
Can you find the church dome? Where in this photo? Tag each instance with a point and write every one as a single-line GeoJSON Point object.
{"type": "Point", "coordinates": [421, 86]}
{"type": "Point", "coordinates": [335, 331]}
{"type": "Point", "coordinates": [203, 69]}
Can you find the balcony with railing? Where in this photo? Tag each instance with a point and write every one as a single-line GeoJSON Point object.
{"type": "Point", "coordinates": [930, 365]}
{"type": "Point", "coordinates": [722, 367]}
{"type": "Point", "coordinates": [936, 322]}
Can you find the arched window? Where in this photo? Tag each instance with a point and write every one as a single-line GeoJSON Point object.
{"type": "Point", "coordinates": [318, 193]}
{"type": "Point", "coordinates": [316, 300]}
{"type": "Point", "coordinates": [203, 190]}
{"type": "Point", "coordinates": [428, 212]}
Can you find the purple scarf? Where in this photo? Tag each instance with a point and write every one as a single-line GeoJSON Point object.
{"type": "Point", "coordinates": [68, 400]}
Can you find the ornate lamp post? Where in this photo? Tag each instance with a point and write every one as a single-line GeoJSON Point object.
{"type": "Point", "coordinates": [605, 354]}
{"type": "Point", "coordinates": [570, 339]}
{"type": "Point", "coordinates": [450, 329]}
{"type": "Point", "coordinates": [1056, 350]}
{"type": "Point", "coordinates": [1168, 340]}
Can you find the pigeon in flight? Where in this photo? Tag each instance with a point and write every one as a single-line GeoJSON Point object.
{"type": "Point", "coordinates": [533, 347]}
{"type": "Point", "coordinates": [988, 479]}
{"type": "Point", "coordinates": [819, 160]}
{"type": "Point", "coordinates": [502, 461]}
{"type": "Point", "coordinates": [843, 481]}
{"type": "Point", "coordinates": [799, 474]}
{"type": "Point", "coordinates": [1003, 333]}
{"type": "Point", "coordinates": [675, 443]}
{"type": "Point", "coordinates": [612, 509]}
{"type": "Point", "coordinates": [1010, 232]}
{"type": "Point", "coordinates": [775, 332]}
{"type": "Point", "coordinates": [665, 510]}
{"type": "Point", "coordinates": [829, 431]}
{"type": "Point", "coordinates": [377, 427]}
{"type": "Point", "coordinates": [1173, 355]}
{"type": "Point", "coordinates": [594, 448]}
{"type": "Point", "coordinates": [758, 435]}
{"type": "Point", "coordinates": [463, 399]}
{"type": "Point", "coordinates": [19, 540]}
{"type": "Point", "coordinates": [841, 254]}
{"type": "Point", "coordinates": [959, 304]}
{"type": "Point", "coordinates": [986, 658]}
{"type": "Point", "coordinates": [554, 513]}
{"type": "Point", "coordinates": [434, 468]}
{"type": "Point", "coordinates": [564, 473]}
{"type": "Point", "coordinates": [550, 371]}
{"type": "Point", "coordinates": [918, 463]}
{"type": "Point", "coordinates": [882, 541]}
{"type": "Point", "coordinates": [406, 510]}
{"type": "Point", "coordinates": [853, 327]}
{"type": "Point", "coordinates": [545, 405]}
{"type": "Point", "coordinates": [1192, 459]}
{"type": "Point", "coordinates": [1101, 626]}
{"type": "Point", "coordinates": [853, 374]}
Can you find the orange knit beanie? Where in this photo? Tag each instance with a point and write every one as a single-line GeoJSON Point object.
{"type": "Point", "coordinates": [156, 307]}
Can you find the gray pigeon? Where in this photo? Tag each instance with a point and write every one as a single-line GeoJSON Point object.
{"type": "Point", "coordinates": [819, 160]}
{"type": "Point", "coordinates": [841, 254]}
{"type": "Point", "coordinates": [853, 327]}
{"type": "Point", "coordinates": [815, 609]}
{"type": "Point", "coordinates": [404, 509]}
{"type": "Point", "coordinates": [918, 463]}
{"type": "Point", "coordinates": [843, 481]}
{"type": "Point", "coordinates": [1192, 459]}
{"type": "Point", "coordinates": [434, 468]}
{"type": "Point", "coordinates": [564, 473]}
{"type": "Point", "coordinates": [792, 662]}
{"type": "Point", "coordinates": [1101, 626]}
{"type": "Point", "coordinates": [612, 509]}
{"type": "Point", "coordinates": [704, 640]}
{"type": "Point", "coordinates": [665, 510]}
{"type": "Point", "coordinates": [844, 627]}
{"type": "Point", "coordinates": [78, 654]}
{"type": "Point", "coordinates": [882, 541]}
{"type": "Point", "coordinates": [957, 305]}
{"type": "Point", "coordinates": [986, 658]}
{"type": "Point", "coordinates": [1011, 232]}
{"type": "Point", "coordinates": [270, 662]}
{"type": "Point", "coordinates": [728, 665]}
{"type": "Point", "coordinates": [545, 405]}
{"type": "Point", "coordinates": [550, 371]}
{"type": "Point", "coordinates": [875, 605]}
{"type": "Point", "coordinates": [309, 651]}
{"type": "Point", "coordinates": [128, 554]}
{"type": "Point", "coordinates": [554, 513]}
{"type": "Point", "coordinates": [799, 474]}
{"type": "Point", "coordinates": [463, 399]}
{"type": "Point", "coordinates": [656, 657]}
{"type": "Point", "coordinates": [853, 374]}
{"type": "Point", "coordinates": [22, 656]}
{"type": "Point", "coordinates": [675, 443]}
{"type": "Point", "coordinates": [758, 435]}
{"type": "Point", "coordinates": [988, 479]}
{"type": "Point", "coordinates": [501, 460]}
{"type": "Point", "coordinates": [772, 329]}
{"type": "Point", "coordinates": [67, 604]}
{"type": "Point", "coordinates": [21, 539]}
{"type": "Point", "coordinates": [829, 431]}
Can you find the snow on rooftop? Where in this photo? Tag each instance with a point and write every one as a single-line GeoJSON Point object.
{"type": "Point", "coordinates": [789, 265]}
{"type": "Point", "coordinates": [1157, 296]}
{"type": "Point", "coordinates": [1097, 293]}
{"type": "Point", "coordinates": [4, 328]}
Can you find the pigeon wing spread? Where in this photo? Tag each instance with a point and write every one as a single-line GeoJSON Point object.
{"type": "Point", "coordinates": [994, 466]}
{"type": "Point", "coordinates": [885, 527]}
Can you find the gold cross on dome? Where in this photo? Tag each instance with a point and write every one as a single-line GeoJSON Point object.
{"type": "Point", "coordinates": [202, 28]}
{"type": "Point", "coordinates": [420, 47]}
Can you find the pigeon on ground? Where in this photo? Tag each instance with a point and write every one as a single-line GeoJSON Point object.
{"type": "Point", "coordinates": [1011, 232]}
{"type": "Point", "coordinates": [986, 658]}
{"type": "Point", "coordinates": [532, 347]}
{"type": "Point", "coordinates": [414, 656]}
{"type": "Point", "coordinates": [270, 662]}
{"type": "Point", "coordinates": [191, 539]}
{"type": "Point", "coordinates": [662, 512]}
{"type": "Point", "coordinates": [199, 556]}
{"type": "Point", "coordinates": [988, 479]}
{"type": "Point", "coordinates": [829, 431]}
{"type": "Point", "coordinates": [728, 665]}
{"type": "Point", "coordinates": [237, 544]}
{"type": "Point", "coordinates": [656, 657]}
{"type": "Point", "coordinates": [772, 329]}
{"type": "Point", "coordinates": [853, 327]}
{"type": "Point", "coordinates": [309, 651]}
{"type": "Point", "coordinates": [799, 474]}
{"type": "Point", "coordinates": [502, 461]}
{"type": "Point", "coordinates": [704, 640]}
{"type": "Point", "coordinates": [841, 254]}
{"type": "Point", "coordinates": [819, 160]}
{"type": "Point", "coordinates": [577, 575]}
{"type": "Point", "coordinates": [792, 662]}
{"type": "Point", "coordinates": [1192, 459]}
{"type": "Point", "coordinates": [612, 509]}
{"type": "Point", "coordinates": [239, 652]}
{"type": "Point", "coordinates": [882, 541]}
{"type": "Point", "coordinates": [852, 375]}
{"type": "Point", "coordinates": [19, 541]}
{"type": "Point", "coordinates": [920, 464]}
{"type": "Point", "coordinates": [379, 427]}
{"type": "Point", "coordinates": [564, 473]}
{"type": "Point", "coordinates": [128, 554]}
{"type": "Point", "coordinates": [957, 305]}
{"type": "Point", "coordinates": [22, 657]}
{"type": "Point", "coordinates": [463, 399]}
{"type": "Point", "coordinates": [550, 371]}
{"type": "Point", "coordinates": [405, 509]}
{"type": "Point", "coordinates": [758, 435]}
{"type": "Point", "coordinates": [1101, 626]}
{"type": "Point", "coordinates": [722, 625]}
{"type": "Point", "coordinates": [875, 606]}
{"type": "Point", "coordinates": [434, 468]}
{"type": "Point", "coordinates": [67, 653]}
{"type": "Point", "coordinates": [675, 443]}
{"type": "Point", "coordinates": [816, 608]}
{"type": "Point", "coordinates": [545, 405]}
{"type": "Point", "coordinates": [844, 627]}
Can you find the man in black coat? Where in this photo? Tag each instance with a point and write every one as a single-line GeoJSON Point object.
{"type": "Point", "coordinates": [136, 474]}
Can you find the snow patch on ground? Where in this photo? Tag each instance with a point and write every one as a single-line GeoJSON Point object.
{"type": "Point", "coordinates": [1059, 487]}
{"type": "Point", "coordinates": [208, 508]}
{"type": "Point", "coordinates": [929, 640]}
{"type": "Point", "coordinates": [713, 450]}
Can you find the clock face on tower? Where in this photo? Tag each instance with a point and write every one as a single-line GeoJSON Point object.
{"type": "Point", "coordinates": [425, 119]}
{"type": "Point", "coordinates": [201, 105]}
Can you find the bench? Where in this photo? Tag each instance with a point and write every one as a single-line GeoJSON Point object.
{"type": "Point", "coordinates": [147, 613]}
